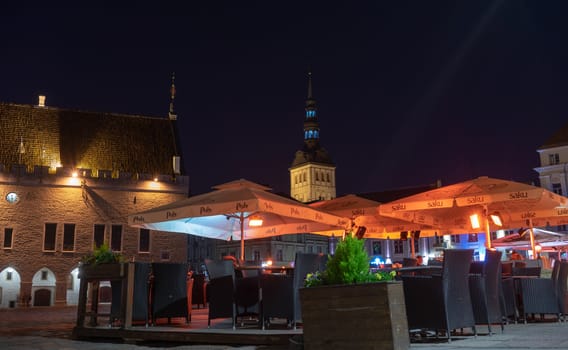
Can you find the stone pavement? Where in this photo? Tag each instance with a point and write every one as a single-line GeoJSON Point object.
{"type": "Point", "coordinates": [50, 329]}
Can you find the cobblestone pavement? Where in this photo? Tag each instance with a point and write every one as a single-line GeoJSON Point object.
{"type": "Point", "coordinates": [51, 328]}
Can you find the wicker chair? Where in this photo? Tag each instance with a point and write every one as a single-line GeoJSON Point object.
{"type": "Point", "coordinates": [561, 286]}
{"type": "Point", "coordinates": [199, 295]}
{"type": "Point", "coordinates": [540, 295]}
{"type": "Point", "coordinates": [141, 300]}
{"type": "Point", "coordinates": [485, 291]}
{"type": "Point", "coordinates": [277, 298]}
{"type": "Point", "coordinates": [441, 303]}
{"type": "Point", "coordinates": [169, 291]}
{"type": "Point", "coordinates": [304, 263]}
{"type": "Point", "coordinates": [221, 290]}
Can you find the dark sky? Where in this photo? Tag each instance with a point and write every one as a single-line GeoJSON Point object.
{"type": "Point", "coordinates": [408, 92]}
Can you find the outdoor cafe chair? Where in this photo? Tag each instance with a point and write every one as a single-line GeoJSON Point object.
{"type": "Point", "coordinates": [277, 294]}
{"type": "Point", "coordinates": [231, 296]}
{"type": "Point", "coordinates": [562, 287]}
{"type": "Point", "coordinates": [199, 295]}
{"type": "Point", "coordinates": [304, 263]}
{"type": "Point", "coordinates": [141, 297]}
{"type": "Point", "coordinates": [221, 290]}
{"type": "Point", "coordinates": [441, 302]}
{"type": "Point", "coordinates": [169, 293]}
{"type": "Point", "coordinates": [484, 286]}
{"type": "Point", "coordinates": [539, 295]}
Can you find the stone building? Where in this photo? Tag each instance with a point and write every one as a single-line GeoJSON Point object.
{"type": "Point", "coordinates": [68, 180]}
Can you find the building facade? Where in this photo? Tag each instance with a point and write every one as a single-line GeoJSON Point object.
{"type": "Point", "coordinates": [68, 181]}
{"type": "Point", "coordinates": [553, 158]}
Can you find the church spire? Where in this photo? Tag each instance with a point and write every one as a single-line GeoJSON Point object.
{"type": "Point", "coordinates": [310, 84]}
{"type": "Point", "coordinates": [312, 174]}
{"type": "Point", "coordinates": [171, 113]}
{"type": "Point", "coordinates": [311, 125]}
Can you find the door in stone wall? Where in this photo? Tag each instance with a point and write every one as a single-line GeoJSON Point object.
{"type": "Point", "coordinates": [42, 297]}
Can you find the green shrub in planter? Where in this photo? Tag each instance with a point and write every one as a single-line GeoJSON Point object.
{"type": "Point", "coordinates": [349, 264]}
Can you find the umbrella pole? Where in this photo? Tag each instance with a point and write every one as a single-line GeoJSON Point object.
{"type": "Point", "coordinates": [487, 229]}
{"type": "Point", "coordinates": [531, 235]}
{"type": "Point", "coordinates": [242, 222]}
{"type": "Point", "coordinates": [412, 252]}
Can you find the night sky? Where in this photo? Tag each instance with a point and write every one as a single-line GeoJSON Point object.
{"type": "Point", "coordinates": [408, 92]}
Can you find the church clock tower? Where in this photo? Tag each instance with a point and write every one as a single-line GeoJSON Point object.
{"type": "Point", "coordinates": [312, 174]}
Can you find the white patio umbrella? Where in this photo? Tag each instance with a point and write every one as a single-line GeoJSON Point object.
{"type": "Point", "coordinates": [226, 213]}
{"type": "Point", "coordinates": [364, 215]}
{"type": "Point", "coordinates": [548, 240]}
{"type": "Point", "coordinates": [363, 212]}
{"type": "Point", "coordinates": [452, 207]}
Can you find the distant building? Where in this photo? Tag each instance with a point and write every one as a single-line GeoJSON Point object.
{"type": "Point", "coordinates": [68, 181]}
{"type": "Point", "coordinates": [553, 169]}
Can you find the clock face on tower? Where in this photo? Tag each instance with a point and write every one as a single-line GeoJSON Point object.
{"type": "Point", "coordinates": [12, 197]}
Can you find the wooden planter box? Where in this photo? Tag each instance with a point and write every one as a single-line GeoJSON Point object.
{"type": "Point", "coordinates": [102, 272]}
{"type": "Point", "coordinates": [357, 316]}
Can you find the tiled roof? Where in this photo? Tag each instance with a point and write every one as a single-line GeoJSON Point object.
{"type": "Point", "coordinates": [89, 140]}
{"type": "Point", "coordinates": [560, 138]}
{"type": "Point", "coordinates": [312, 155]}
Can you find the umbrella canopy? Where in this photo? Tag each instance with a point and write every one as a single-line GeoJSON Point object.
{"type": "Point", "coordinates": [548, 240]}
{"type": "Point", "coordinates": [451, 207]}
{"type": "Point", "coordinates": [363, 213]}
{"type": "Point", "coordinates": [226, 212]}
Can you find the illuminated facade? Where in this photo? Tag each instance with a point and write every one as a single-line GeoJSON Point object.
{"type": "Point", "coordinates": [68, 181]}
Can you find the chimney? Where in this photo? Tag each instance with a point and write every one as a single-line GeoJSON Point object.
{"type": "Point", "coordinates": [41, 102]}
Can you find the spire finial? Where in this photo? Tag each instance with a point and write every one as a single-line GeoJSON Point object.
{"type": "Point", "coordinates": [172, 114]}
{"type": "Point", "coordinates": [310, 83]}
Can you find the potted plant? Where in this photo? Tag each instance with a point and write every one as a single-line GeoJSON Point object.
{"type": "Point", "coordinates": [102, 262]}
{"type": "Point", "coordinates": [347, 306]}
